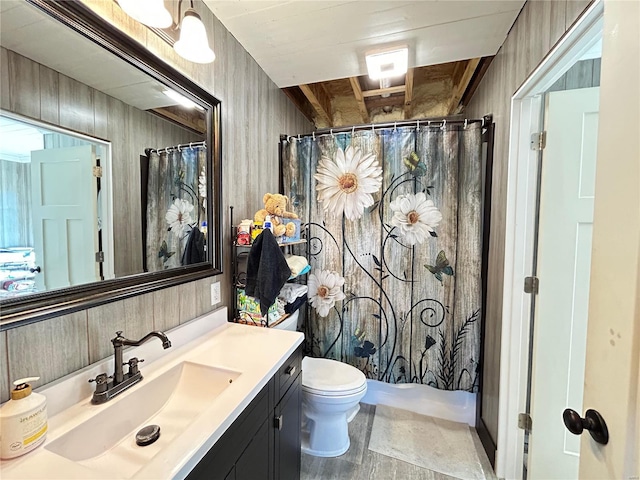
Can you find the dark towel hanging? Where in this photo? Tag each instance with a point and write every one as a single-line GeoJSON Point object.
{"type": "Point", "coordinates": [194, 249]}
{"type": "Point", "coordinates": [267, 270]}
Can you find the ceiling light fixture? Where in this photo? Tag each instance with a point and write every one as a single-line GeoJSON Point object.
{"type": "Point", "coordinates": [150, 12]}
{"type": "Point", "coordinates": [387, 62]}
{"type": "Point", "coordinates": [192, 44]}
{"type": "Point", "coordinates": [181, 99]}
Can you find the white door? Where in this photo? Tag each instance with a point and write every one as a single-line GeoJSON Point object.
{"type": "Point", "coordinates": [64, 215]}
{"type": "Point", "coordinates": [612, 374]}
{"type": "Point", "coordinates": [563, 266]}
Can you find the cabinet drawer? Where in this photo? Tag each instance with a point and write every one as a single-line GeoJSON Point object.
{"type": "Point", "coordinates": [288, 372]}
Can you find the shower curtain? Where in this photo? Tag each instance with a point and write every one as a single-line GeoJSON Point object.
{"type": "Point", "coordinates": [176, 203]}
{"type": "Point", "coordinates": [395, 285]}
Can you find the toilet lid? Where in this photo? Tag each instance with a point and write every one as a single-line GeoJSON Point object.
{"type": "Point", "coordinates": [330, 377]}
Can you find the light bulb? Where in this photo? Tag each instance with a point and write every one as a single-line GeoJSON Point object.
{"type": "Point", "coordinates": [193, 44]}
{"type": "Point", "coordinates": [150, 12]}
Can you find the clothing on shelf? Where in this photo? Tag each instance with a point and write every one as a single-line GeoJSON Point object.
{"type": "Point", "coordinates": [267, 270]}
{"type": "Point", "coordinates": [291, 291]}
{"type": "Point", "coordinates": [297, 264]}
{"type": "Point", "coordinates": [296, 304]}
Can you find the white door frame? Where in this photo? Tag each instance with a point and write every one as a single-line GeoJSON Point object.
{"type": "Point", "coordinates": [108, 266]}
{"type": "Point", "coordinates": [522, 172]}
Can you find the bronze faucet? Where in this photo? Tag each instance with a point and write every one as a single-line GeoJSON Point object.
{"type": "Point", "coordinates": [106, 390]}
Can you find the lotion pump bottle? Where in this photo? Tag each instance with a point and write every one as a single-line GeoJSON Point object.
{"type": "Point", "coordinates": [23, 420]}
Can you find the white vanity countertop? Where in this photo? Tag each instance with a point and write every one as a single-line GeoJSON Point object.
{"type": "Point", "coordinates": [210, 340]}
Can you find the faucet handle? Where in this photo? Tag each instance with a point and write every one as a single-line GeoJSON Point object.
{"type": "Point", "coordinates": [102, 381]}
{"type": "Point", "coordinates": [133, 365]}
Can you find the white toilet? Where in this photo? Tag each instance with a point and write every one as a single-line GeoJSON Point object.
{"type": "Point", "coordinates": [331, 394]}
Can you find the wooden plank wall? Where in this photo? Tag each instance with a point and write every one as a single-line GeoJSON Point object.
{"type": "Point", "coordinates": [538, 27]}
{"type": "Point", "coordinates": [254, 113]}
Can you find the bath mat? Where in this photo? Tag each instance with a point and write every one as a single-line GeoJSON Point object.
{"type": "Point", "coordinates": [439, 445]}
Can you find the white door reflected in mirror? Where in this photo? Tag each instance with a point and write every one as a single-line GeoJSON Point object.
{"type": "Point", "coordinates": [64, 186]}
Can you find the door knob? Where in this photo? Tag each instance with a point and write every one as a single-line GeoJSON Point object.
{"type": "Point", "coordinates": [593, 422]}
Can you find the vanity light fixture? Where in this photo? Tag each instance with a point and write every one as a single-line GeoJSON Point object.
{"type": "Point", "coordinates": [150, 12]}
{"type": "Point", "coordinates": [192, 44]}
{"type": "Point", "coordinates": [181, 99]}
{"type": "Point", "coordinates": [388, 62]}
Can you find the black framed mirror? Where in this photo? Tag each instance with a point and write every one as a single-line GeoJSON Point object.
{"type": "Point", "coordinates": [78, 84]}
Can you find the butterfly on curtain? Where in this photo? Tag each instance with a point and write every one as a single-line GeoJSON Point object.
{"type": "Point", "coordinates": [441, 266]}
{"type": "Point", "coordinates": [164, 252]}
{"type": "Point", "coordinates": [416, 167]}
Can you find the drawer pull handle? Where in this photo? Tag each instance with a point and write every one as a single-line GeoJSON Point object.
{"type": "Point", "coordinates": [277, 422]}
{"type": "Point", "coordinates": [290, 370]}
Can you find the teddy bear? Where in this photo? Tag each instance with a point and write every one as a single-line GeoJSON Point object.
{"type": "Point", "coordinates": [275, 205]}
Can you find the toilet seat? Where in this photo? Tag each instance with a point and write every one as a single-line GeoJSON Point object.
{"type": "Point", "coordinates": [329, 378]}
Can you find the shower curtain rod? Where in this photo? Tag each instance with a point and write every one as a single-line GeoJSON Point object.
{"type": "Point", "coordinates": [427, 122]}
{"type": "Point", "coordinates": [178, 147]}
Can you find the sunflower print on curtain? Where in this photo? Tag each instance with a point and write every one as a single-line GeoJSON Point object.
{"type": "Point", "coordinates": [175, 204]}
{"type": "Point", "coordinates": [411, 262]}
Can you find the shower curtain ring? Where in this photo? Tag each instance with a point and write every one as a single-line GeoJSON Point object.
{"type": "Point", "coordinates": [353, 130]}
{"type": "Point", "coordinates": [179, 148]}
{"type": "Point", "coordinates": [482, 122]}
{"type": "Point", "coordinates": [372, 129]}
{"type": "Point", "coordinates": [190, 145]}
{"type": "Point", "coordinates": [418, 126]}
{"type": "Point", "coordinates": [465, 123]}
{"type": "Point", "coordinates": [313, 134]}
{"type": "Point", "coordinates": [395, 126]}
{"type": "Point", "coordinates": [331, 132]}
{"type": "Point", "coordinates": [298, 137]}
{"type": "Point", "coordinates": [444, 124]}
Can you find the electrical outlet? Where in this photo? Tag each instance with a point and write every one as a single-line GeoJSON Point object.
{"type": "Point", "coordinates": [215, 293]}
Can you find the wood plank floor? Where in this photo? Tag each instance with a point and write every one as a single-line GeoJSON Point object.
{"type": "Point", "coordinates": [360, 463]}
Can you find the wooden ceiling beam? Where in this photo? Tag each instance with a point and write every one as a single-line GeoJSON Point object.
{"type": "Point", "coordinates": [408, 93]}
{"type": "Point", "coordinates": [462, 85]}
{"type": "Point", "coordinates": [300, 101]}
{"type": "Point", "coordinates": [191, 119]}
{"type": "Point", "coordinates": [357, 92]}
{"type": "Point", "coordinates": [319, 100]}
{"type": "Point", "coordinates": [383, 91]}
{"type": "Point", "coordinates": [385, 102]}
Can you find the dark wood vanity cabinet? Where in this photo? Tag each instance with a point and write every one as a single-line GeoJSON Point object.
{"type": "Point", "coordinates": [264, 441]}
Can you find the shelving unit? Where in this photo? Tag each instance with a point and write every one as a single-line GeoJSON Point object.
{"type": "Point", "coordinates": [239, 253]}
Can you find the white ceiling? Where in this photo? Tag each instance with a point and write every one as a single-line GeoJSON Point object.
{"type": "Point", "coordinates": [306, 41]}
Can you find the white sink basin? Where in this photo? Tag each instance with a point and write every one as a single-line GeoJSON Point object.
{"type": "Point", "coordinates": [173, 401]}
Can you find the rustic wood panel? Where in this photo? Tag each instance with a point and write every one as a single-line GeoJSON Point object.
{"type": "Point", "coordinates": [532, 32]}
{"type": "Point", "coordinates": [397, 258]}
{"type": "Point", "coordinates": [15, 204]}
{"type": "Point", "coordinates": [24, 85]}
{"type": "Point", "coordinates": [325, 247]}
{"type": "Point", "coordinates": [5, 382]}
{"type": "Point", "coordinates": [49, 95]}
{"type": "Point", "coordinates": [248, 141]}
{"type": "Point", "coordinates": [49, 349]}
{"type": "Point", "coordinates": [362, 314]}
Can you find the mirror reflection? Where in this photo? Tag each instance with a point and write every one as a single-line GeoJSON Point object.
{"type": "Point", "coordinates": [102, 167]}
